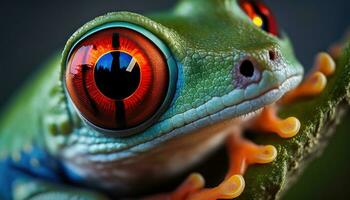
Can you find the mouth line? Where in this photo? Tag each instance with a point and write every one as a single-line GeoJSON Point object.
{"type": "Point", "coordinates": [263, 94]}
{"type": "Point", "coordinates": [253, 105]}
{"type": "Point", "coordinates": [243, 109]}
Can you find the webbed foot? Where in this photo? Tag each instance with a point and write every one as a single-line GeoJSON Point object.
{"type": "Point", "coordinates": [192, 184]}
{"type": "Point", "coordinates": [193, 189]}
{"type": "Point", "coordinates": [242, 153]}
{"type": "Point", "coordinates": [228, 189]}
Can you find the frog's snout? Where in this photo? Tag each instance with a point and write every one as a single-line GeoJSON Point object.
{"type": "Point", "coordinates": [249, 69]}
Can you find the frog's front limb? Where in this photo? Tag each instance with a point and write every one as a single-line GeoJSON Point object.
{"type": "Point", "coordinates": [241, 153]}
{"type": "Point", "coordinates": [192, 184]}
{"type": "Point", "coordinates": [230, 188]}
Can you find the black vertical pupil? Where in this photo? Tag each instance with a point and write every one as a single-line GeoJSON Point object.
{"type": "Point", "coordinates": [117, 75]}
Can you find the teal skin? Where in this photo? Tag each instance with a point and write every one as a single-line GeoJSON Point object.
{"type": "Point", "coordinates": [207, 41]}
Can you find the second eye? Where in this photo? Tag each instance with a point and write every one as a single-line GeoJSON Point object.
{"type": "Point", "coordinates": [260, 15]}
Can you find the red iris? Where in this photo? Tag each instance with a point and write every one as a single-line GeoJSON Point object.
{"type": "Point", "coordinates": [261, 15]}
{"type": "Point", "coordinates": [117, 78]}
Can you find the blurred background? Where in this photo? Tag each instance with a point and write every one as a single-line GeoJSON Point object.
{"type": "Point", "coordinates": [31, 31]}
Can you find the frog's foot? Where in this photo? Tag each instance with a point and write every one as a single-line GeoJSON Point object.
{"type": "Point", "coordinates": [314, 83]}
{"type": "Point", "coordinates": [242, 153]}
{"type": "Point", "coordinates": [268, 121]}
{"type": "Point", "coordinates": [192, 184]}
{"type": "Point", "coordinates": [193, 189]}
{"type": "Point", "coordinates": [230, 188]}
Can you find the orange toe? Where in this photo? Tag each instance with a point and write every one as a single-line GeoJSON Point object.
{"type": "Point", "coordinates": [268, 121]}
{"type": "Point", "coordinates": [228, 189]}
{"type": "Point", "coordinates": [312, 86]}
{"type": "Point", "coordinates": [193, 183]}
{"type": "Point", "coordinates": [324, 63]}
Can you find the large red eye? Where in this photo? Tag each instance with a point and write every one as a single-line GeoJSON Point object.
{"type": "Point", "coordinates": [261, 15]}
{"type": "Point", "coordinates": [117, 78]}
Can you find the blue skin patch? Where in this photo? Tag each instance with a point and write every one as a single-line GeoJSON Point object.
{"type": "Point", "coordinates": [33, 164]}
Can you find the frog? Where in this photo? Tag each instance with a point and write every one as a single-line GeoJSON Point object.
{"type": "Point", "coordinates": [137, 100]}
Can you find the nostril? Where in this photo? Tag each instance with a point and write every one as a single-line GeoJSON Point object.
{"type": "Point", "coordinates": [246, 72]}
{"type": "Point", "coordinates": [247, 68]}
{"type": "Point", "coordinates": [272, 55]}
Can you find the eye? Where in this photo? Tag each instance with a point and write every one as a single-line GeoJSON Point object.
{"type": "Point", "coordinates": [118, 78]}
{"type": "Point", "coordinates": [260, 15]}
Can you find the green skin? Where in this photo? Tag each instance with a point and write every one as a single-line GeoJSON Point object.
{"type": "Point", "coordinates": [208, 39]}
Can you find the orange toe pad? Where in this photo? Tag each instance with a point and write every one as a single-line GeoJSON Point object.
{"type": "Point", "coordinates": [228, 189]}
{"type": "Point", "coordinates": [268, 121]}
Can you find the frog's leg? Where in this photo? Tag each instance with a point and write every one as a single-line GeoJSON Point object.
{"type": "Point", "coordinates": [242, 153]}
{"type": "Point", "coordinates": [230, 188]}
{"type": "Point", "coordinates": [315, 82]}
{"type": "Point", "coordinates": [192, 184]}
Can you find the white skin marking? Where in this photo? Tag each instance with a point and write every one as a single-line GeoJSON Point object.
{"type": "Point", "coordinates": [131, 65]}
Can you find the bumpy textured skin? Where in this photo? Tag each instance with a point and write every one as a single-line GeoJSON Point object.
{"type": "Point", "coordinates": [208, 39]}
{"type": "Point", "coordinates": [206, 64]}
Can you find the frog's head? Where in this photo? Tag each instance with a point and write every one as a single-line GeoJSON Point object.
{"type": "Point", "coordinates": [133, 80]}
